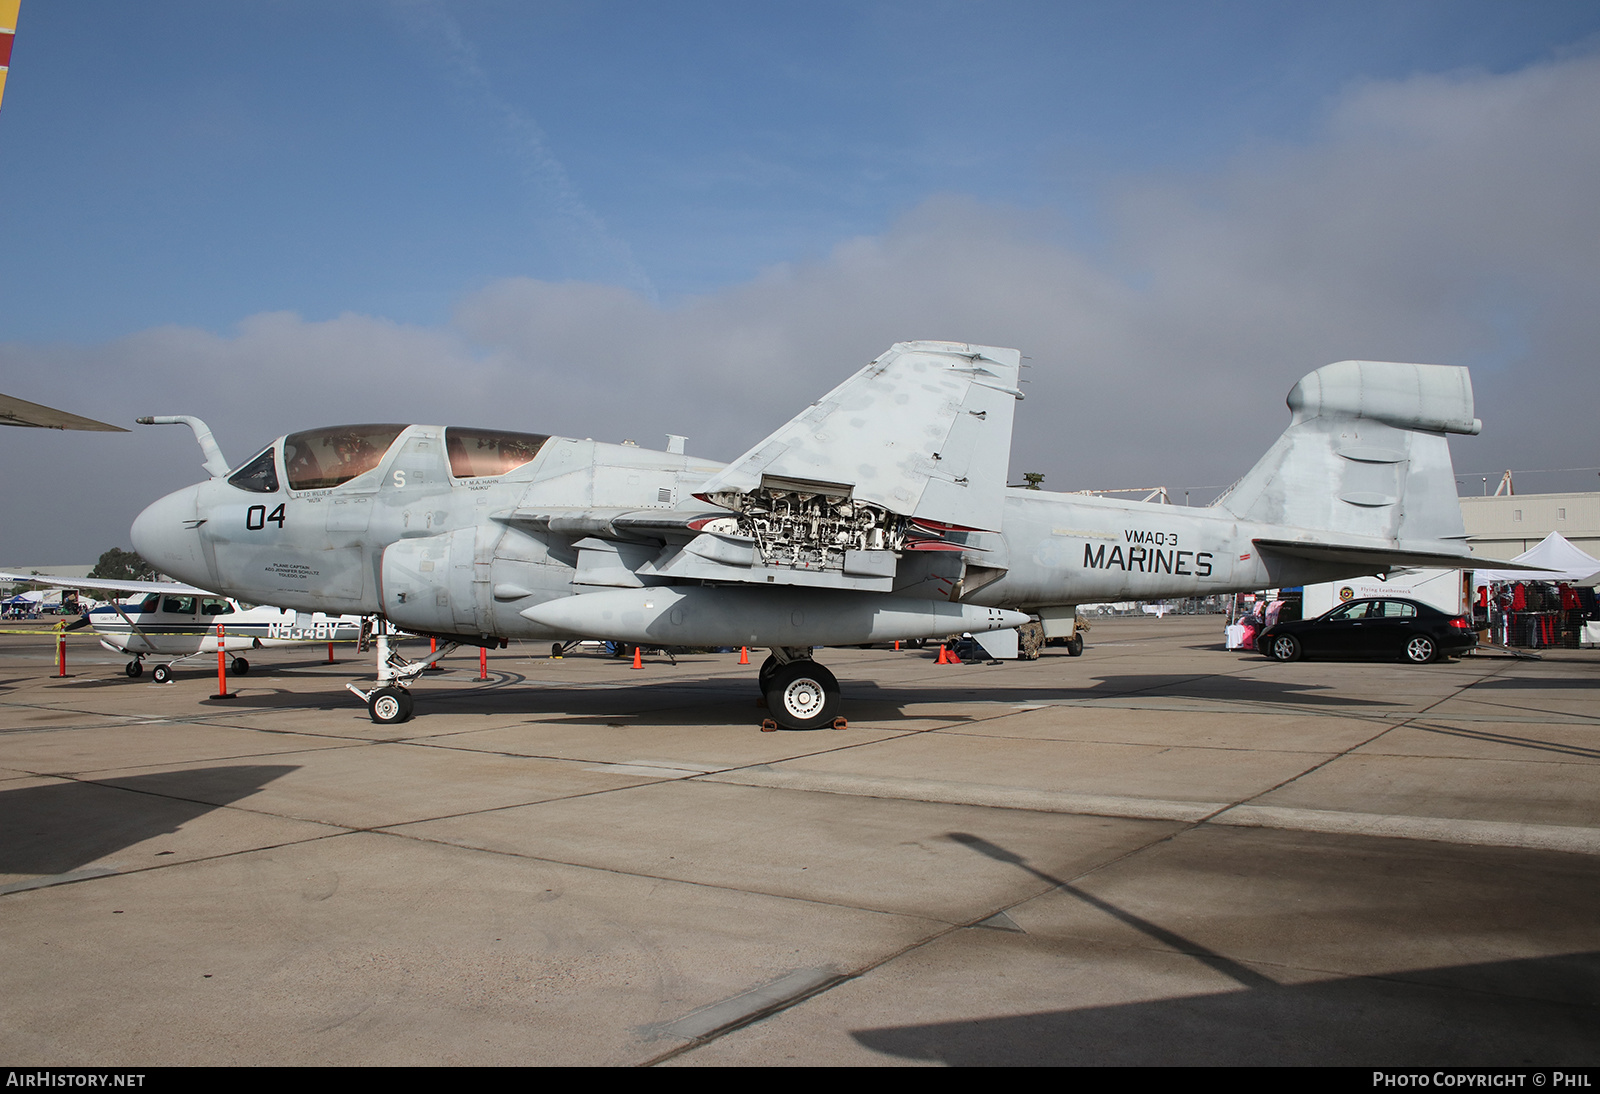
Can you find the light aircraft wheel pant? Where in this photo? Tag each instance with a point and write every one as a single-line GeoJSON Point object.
{"type": "Point", "coordinates": [802, 695]}
{"type": "Point", "coordinates": [390, 706]}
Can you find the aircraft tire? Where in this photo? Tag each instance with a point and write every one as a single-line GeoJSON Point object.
{"type": "Point", "coordinates": [240, 667]}
{"type": "Point", "coordinates": [1284, 647]}
{"type": "Point", "coordinates": [802, 695]}
{"type": "Point", "coordinates": [134, 669]}
{"type": "Point", "coordinates": [161, 674]}
{"type": "Point", "coordinates": [390, 706]}
{"type": "Point", "coordinates": [1075, 646]}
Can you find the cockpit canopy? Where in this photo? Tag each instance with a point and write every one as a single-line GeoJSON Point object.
{"type": "Point", "coordinates": [475, 453]}
{"type": "Point", "coordinates": [320, 459]}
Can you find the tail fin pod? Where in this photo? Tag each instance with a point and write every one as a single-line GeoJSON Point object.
{"type": "Point", "coordinates": [1365, 456]}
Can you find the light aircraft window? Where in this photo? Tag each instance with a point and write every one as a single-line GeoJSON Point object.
{"type": "Point", "coordinates": [259, 476]}
{"type": "Point", "coordinates": [475, 453]}
{"type": "Point", "coordinates": [320, 458]}
{"type": "Point", "coordinates": [210, 606]}
{"type": "Point", "coordinates": [178, 605]}
{"type": "Point", "coordinates": [150, 603]}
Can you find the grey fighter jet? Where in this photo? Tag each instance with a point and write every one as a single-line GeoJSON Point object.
{"type": "Point", "coordinates": [878, 513]}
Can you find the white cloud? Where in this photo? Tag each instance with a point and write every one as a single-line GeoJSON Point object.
{"type": "Point", "coordinates": [1443, 218]}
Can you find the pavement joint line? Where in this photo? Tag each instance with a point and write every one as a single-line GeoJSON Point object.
{"type": "Point", "coordinates": [1047, 886]}
{"type": "Point", "coordinates": [945, 925]}
{"type": "Point", "coordinates": [94, 873]}
{"type": "Point", "coordinates": [1362, 744]}
{"type": "Point", "coordinates": [1191, 814]}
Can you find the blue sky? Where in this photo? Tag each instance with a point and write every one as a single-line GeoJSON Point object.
{"type": "Point", "coordinates": [279, 214]}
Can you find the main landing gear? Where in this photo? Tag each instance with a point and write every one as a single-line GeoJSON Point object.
{"type": "Point", "coordinates": [800, 693]}
{"type": "Point", "coordinates": [162, 674]}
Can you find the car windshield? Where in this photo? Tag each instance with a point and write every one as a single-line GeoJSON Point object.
{"type": "Point", "coordinates": [321, 458]}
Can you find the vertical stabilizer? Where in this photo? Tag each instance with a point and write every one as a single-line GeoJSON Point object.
{"type": "Point", "coordinates": [1365, 457]}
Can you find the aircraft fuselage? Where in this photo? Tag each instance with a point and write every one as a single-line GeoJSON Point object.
{"type": "Point", "coordinates": [442, 553]}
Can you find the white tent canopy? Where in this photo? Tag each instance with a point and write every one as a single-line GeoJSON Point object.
{"type": "Point", "coordinates": [1557, 559]}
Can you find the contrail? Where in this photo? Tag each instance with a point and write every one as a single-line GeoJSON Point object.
{"type": "Point", "coordinates": [428, 20]}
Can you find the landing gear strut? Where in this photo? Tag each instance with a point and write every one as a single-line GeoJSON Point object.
{"type": "Point", "coordinates": [800, 693]}
{"type": "Point", "coordinates": [390, 703]}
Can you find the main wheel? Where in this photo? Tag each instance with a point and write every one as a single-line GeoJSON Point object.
{"type": "Point", "coordinates": [1075, 646]}
{"type": "Point", "coordinates": [134, 669]}
{"type": "Point", "coordinates": [802, 695]}
{"type": "Point", "coordinates": [390, 706]}
{"type": "Point", "coordinates": [161, 674]}
{"type": "Point", "coordinates": [1284, 647]}
{"type": "Point", "coordinates": [1421, 649]}
{"type": "Point", "coordinates": [240, 667]}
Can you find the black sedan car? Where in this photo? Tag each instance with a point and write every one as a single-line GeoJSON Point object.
{"type": "Point", "coordinates": [1379, 627]}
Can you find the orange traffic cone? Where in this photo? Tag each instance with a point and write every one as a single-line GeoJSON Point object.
{"type": "Point", "coordinates": [944, 658]}
{"type": "Point", "coordinates": [896, 643]}
{"type": "Point", "coordinates": [638, 658]}
{"type": "Point", "coordinates": [744, 655]}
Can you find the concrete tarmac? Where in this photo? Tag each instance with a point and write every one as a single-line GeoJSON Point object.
{"type": "Point", "coordinates": [1156, 853]}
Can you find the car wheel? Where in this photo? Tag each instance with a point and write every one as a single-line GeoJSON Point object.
{"type": "Point", "coordinates": [161, 674]}
{"type": "Point", "coordinates": [803, 695]}
{"type": "Point", "coordinates": [240, 667]}
{"type": "Point", "coordinates": [1284, 647]}
{"type": "Point", "coordinates": [1421, 649]}
{"type": "Point", "coordinates": [390, 706]}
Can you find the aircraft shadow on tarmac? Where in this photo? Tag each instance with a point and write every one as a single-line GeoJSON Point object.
{"type": "Point", "coordinates": [1497, 1013]}
{"type": "Point", "coordinates": [1537, 683]}
{"type": "Point", "coordinates": [1533, 1010]}
{"type": "Point", "coordinates": [733, 700]}
{"type": "Point", "coordinates": [58, 828]}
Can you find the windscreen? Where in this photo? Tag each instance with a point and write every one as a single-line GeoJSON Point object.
{"type": "Point", "coordinates": [475, 453]}
{"type": "Point", "coordinates": [259, 476]}
{"type": "Point", "coordinates": [321, 458]}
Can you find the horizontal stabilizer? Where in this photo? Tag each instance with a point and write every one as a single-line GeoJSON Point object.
{"type": "Point", "coordinates": [1381, 560]}
{"type": "Point", "coordinates": [924, 430]}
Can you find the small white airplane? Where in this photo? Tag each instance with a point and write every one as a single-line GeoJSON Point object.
{"type": "Point", "coordinates": [179, 622]}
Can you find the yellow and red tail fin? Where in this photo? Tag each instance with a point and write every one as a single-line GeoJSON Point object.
{"type": "Point", "coordinates": [8, 33]}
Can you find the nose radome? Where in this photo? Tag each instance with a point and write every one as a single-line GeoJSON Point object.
{"type": "Point", "coordinates": [166, 536]}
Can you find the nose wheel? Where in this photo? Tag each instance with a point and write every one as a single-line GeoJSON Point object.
{"type": "Point", "coordinates": [390, 706]}
{"type": "Point", "coordinates": [134, 669]}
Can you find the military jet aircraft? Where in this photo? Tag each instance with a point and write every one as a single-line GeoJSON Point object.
{"type": "Point", "coordinates": [179, 622]}
{"type": "Point", "coordinates": [880, 512]}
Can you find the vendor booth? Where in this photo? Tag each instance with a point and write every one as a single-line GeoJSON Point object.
{"type": "Point", "coordinates": [1552, 606]}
